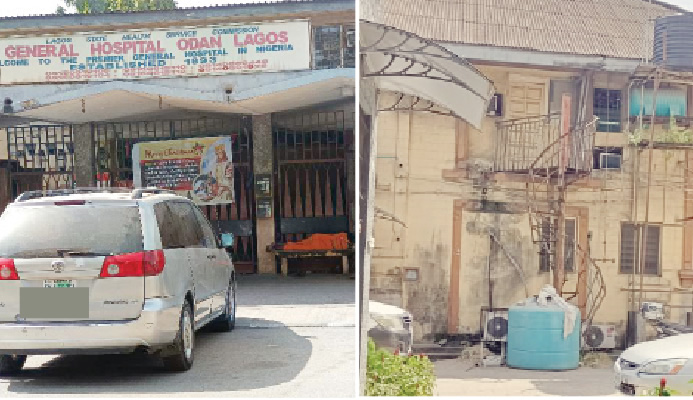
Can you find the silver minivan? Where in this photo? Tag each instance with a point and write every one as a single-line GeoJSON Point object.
{"type": "Point", "coordinates": [103, 271]}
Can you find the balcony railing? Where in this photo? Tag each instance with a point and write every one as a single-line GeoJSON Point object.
{"type": "Point", "coordinates": [535, 142]}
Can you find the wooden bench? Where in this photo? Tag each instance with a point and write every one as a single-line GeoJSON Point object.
{"type": "Point", "coordinates": [309, 226]}
{"type": "Point", "coordinates": [285, 255]}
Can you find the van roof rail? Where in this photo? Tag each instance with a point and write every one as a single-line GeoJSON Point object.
{"type": "Point", "coordinates": [138, 193]}
{"type": "Point", "coordinates": [135, 193]}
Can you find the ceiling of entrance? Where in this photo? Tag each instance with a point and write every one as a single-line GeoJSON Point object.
{"type": "Point", "coordinates": [115, 101]}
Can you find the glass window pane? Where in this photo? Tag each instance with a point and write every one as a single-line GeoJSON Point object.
{"type": "Point", "coordinates": [102, 230]}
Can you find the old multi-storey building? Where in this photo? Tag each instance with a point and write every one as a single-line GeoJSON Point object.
{"type": "Point", "coordinates": [474, 214]}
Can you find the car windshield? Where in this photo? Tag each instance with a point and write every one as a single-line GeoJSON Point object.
{"type": "Point", "coordinates": [69, 231]}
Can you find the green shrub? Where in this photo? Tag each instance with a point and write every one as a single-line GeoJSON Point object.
{"type": "Point", "coordinates": [662, 390]}
{"type": "Point", "coordinates": [391, 374]}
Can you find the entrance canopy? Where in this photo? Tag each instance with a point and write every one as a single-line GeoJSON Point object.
{"type": "Point", "coordinates": [120, 100]}
{"type": "Point", "coordinates": [429, 76]}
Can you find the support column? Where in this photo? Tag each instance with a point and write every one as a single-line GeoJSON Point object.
{"type": "Point", "coordinates": [454, 290]}
{"type": "Point", "coordinates": [262, 165]}
{"type": "Point", "coordinates": [83, 143]}
{"type": "Point", "coordinates": [686, 272]}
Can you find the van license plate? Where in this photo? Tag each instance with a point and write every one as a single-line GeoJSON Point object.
{"type": "Point", "coordinates": [59, 283]}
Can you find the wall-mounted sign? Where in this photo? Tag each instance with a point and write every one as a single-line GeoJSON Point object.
{"type": "Point", "coordinates": [411, 274]}
{"type": "Point", "coordinates": [210, 50]}
{"type": "Point", "coordinates": [263, 185]}
{"type": "Point", "coordinates": [264, 208]}
{"type": "Point", "coordinates": [198, 168]}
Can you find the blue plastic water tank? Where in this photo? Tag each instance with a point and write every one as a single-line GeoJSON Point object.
{"type": "Point", "coordinates": [535, 338]}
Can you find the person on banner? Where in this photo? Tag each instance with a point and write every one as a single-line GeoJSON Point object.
{"type": "Point", "coordinates": [223, 174]}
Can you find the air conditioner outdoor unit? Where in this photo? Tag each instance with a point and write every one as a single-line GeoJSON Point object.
{"type": "Point", "coordinates": [599, 337]}
{"type": "Point", "coordinates": [496, 326]}
{"type": "Point", "coordinates": [610, 161]}
{"type": "Point", "coordinates": [495, 106]}
{"type": "Point", "coordinates": [653, 311]}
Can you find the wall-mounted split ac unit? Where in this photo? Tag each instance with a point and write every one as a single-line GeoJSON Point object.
{"type": "Point", "coordinates": [496, 326]}
{"type": "Point", "coordinates": [601, 337]}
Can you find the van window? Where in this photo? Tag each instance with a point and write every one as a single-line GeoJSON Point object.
{"type": "Point", "coordinates": [207, 232]}
{"type": "Point", "coordinates": [170, 227]}
{"type": "Point", "coordinates": [57, 231]}
{"type": "Point", "coordinates": [178, 226]}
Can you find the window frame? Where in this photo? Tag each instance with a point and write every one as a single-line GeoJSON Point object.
{"type": "Point", "coordinates": [597, 155]}
{"type": "Point", "coordinates": [605, 115]}
{"type": "Point", "coordinates": [637, 242]}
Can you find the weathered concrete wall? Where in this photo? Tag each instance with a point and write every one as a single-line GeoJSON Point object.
{"type": "Point", "coordinates": [408, 186]}
{"type": "Point", "coordinates": [84, 155]}
{"type": "Point", "coordinates": [262, 164]}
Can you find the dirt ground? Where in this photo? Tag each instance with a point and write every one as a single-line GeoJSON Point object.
{"type": "Point", "coordinates": [460, 377]}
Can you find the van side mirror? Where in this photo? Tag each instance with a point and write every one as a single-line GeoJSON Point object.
{"type": "Point", "coordinates": [227, 241]}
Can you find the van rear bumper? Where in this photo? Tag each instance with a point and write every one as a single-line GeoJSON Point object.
{"type": "Point", "coordinates": [156, 327]}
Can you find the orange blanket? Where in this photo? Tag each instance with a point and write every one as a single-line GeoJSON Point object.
{"type": "Point", "coordinates": [320, 241]}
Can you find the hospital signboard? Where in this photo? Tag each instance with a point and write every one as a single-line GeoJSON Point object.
{"type": "Point", "coordinates": [210, 50]}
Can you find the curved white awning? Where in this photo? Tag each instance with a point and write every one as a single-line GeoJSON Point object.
{"type": "Point", "coordinates": [436, 79]}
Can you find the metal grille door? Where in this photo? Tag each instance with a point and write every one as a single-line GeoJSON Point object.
{"type": "Point", "coordinates": [311, 175]}
{"type": "Point", "coordinates": [113, 162]}
{"type": "Point", "coordinates": [41, 158]}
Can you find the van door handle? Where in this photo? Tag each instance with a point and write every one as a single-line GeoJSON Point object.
{"type": "Point", "coordinates": [211, 257]}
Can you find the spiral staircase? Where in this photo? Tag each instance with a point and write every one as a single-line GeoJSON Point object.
{"type": "Point", "coordinates": [553, 161]}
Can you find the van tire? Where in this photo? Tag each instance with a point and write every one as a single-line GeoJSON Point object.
{"type": "Point", "coordinates": [227, 321]}
{"type": "Point", "coordinates": [183, 354]}
{"type": "Point", "coordinates": [11, 365]}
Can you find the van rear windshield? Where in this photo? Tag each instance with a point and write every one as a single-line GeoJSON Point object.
{"type": "Point", "coordinates": [63, 231]}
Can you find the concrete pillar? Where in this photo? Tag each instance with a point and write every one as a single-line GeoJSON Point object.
{"type": "Point", "coordinates": [262, 164]}
{"type": "Point", "coordinates": [84, 155]}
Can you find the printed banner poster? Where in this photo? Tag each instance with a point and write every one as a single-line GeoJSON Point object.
{"type": "Point", "coordinates": [200, 169]}
{"type": "Point", "coordinates": [217, 50]}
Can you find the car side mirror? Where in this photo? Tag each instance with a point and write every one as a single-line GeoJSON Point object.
{"type": "Point", "coordinates": [227, 241]}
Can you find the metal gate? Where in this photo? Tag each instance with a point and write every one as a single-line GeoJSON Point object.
{"type": "Point", "coordinates": [40, 157]}
{"type": "Point", "coordinates": [310, 162]}
{"type": "Point", "coordinates": [113, 144]}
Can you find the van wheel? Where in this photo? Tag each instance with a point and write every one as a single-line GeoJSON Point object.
{"type": "Point", "coordinates": [182, 358]}
{"type": "Point", "coordinates": [227, 321]}
{"type": "Point", "coordinates": [11, 365]}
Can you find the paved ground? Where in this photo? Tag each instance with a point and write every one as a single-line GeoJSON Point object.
{"type": "Point", "coordinates": [461, 378]}
{"type": "Point", "coordinates": [295, 337]}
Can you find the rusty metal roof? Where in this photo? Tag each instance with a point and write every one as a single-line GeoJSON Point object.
{"type": "Point", "coordinates": [612, 28]}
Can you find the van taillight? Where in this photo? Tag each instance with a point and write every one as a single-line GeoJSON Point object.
{"type": "Point", "coordinates": [145, 263]}
{"type": "Point", "coordinates": [7, 270]}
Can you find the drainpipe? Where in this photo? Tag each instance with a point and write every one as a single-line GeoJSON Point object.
{"type": "Point", "coordinates": [650, 145]}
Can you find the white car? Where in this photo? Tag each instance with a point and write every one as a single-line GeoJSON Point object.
{"type": "Point", "coordinates": [640, 368]}
{"type": "Point", "coordinates": [390, 327]}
